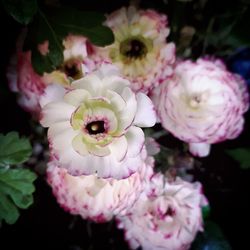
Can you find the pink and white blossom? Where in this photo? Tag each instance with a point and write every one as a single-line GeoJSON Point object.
{"type": "Point", "coordinates": [167, 217]}
{"type": "Point", "coordinates": [30, 85]}
{"type": "Point", "coordinates": [140, 49]}
{"type": "Point", "coordinates": [94, 127]}
{"type": "Point", "coordinates": [202, 104]}
{"type": "Point", "coordinates": [96, 198]}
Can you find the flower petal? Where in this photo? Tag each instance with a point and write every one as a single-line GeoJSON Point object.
{"type": "Point", "coordinates": [56, 112]}
{"type": "Point", "coordinates": [91, 83]}
{"type": "Point", "coordinates": [199, 149]}
{"type": "Point", "coordinates": [145, 115]}
{"type": "Point", "coordinates": [119, 148]}
{"type": "Point", "coordinates": [77, 96]}
{"type": "Point", "coordinates": [135, 138]}
{"type": "Point", "coordinates": [53, 93]}
{"type": "Point", "coordinates": [79, 146]}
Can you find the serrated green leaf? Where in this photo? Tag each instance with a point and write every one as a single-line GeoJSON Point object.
{"type": "Point", "coordinates": [14, 150]}
{"type": "Point", "coordinates": [21, 10]}
{"type": "Point", "coordinates": [8, 210]}
{"type": "Point", "coordinates": [211, 239]}
{"type": "Point", "coordinates": [242, 155]}
{"type": "Point", "coordinates": [16, 188]}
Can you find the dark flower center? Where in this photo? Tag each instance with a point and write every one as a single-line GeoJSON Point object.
{"type": "Point", "coordinates": [170, 212]}
{"type": "Point", "coordinates": [71, 69]}
{"type": "Point", "coordinates": [96, 127]}
{"type": "Point", "coordinates": [133, 48]}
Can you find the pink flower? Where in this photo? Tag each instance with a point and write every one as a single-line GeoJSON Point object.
{"type": "Point", "coordinates": [96, 198]}
{"type": "Point", "coordinates": [30, 86]}
{"type": "Point", "coordinates": [168, 217]}
{"type": "Point", "coordinates": [140, 50]}
{"type": "Point", "coordinates": [202, 104]}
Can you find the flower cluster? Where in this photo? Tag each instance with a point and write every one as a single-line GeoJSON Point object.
{"type": "Point", "coordinates": [95, 106]}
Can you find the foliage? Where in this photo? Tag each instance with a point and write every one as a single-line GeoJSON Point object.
{"type": "Point", "coordinates": [16, 184]}
{"type": "Point", "coordinates": [13, 150]}
{"type": "Point", "coordinates": [242, 155]}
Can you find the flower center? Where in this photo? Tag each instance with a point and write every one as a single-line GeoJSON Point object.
{"type": "Point", "coordinates": [96, 127]}
{"type": "Point", "coordinates": [133, 48]}
{"type": "Point", "coordinates": [72, 68]}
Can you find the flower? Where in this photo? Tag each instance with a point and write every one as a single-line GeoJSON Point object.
{"type": "Point", "coordinates": [202, 104]}
{"type": "Point", "coordinates": [168, 218]}
{"type": "Point", "coordinates": [30, 86]}
{"type": "Point", "coordinates": [96, 198]}
{"type": "Point", "coordinates": [95, 126]}
{"type": "Point", "coordinates": [140, 49]}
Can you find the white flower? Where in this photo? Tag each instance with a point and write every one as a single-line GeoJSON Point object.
{"type": "Point", "coordinates": [202, 104]}
{"type": "Point", "coordinates": [30, 85]}
{"type": "Point", "coordinates": [140, 49]}
{"type": "Point", "coordinates": [167, 218]}
{"type": "Point", "coordinates": [93, 197]}
{"type": "Point", "coordinates": [95, 126]}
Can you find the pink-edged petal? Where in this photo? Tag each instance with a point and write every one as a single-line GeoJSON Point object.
{"type": "Point", "coordinates": [79, 146]}
{"type": "Point", "coordinates": [77, 96]}
{"type": "Point", "coordinates": [56, 112]}
{"type": "Point", "coordinates": [145, 115]}
{"type": "Point", "coordinates": [119, 148]}
{"type": "Point", "coordinates": [199, 149]}
{"type": "Point", "coordinates": [91, 83]}
{"type": "Point", "coordinates": [135, 138]}
{"type": "Point", "coordinates": [53, 93]}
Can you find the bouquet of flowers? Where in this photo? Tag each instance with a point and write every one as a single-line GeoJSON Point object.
{"type": "Point", "coordinates": [125, 106]}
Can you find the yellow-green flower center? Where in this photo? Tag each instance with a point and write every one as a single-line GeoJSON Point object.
{"type": "Point", "coordinates": [133, 48]}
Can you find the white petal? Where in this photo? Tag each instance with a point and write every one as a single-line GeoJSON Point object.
{"type": "Point", "coordinates": [91, 83]}
{"type": "Point", "coordinates": [56, 112]}
{"type": "Point", "coordinates": [199, 149]}
{"type": "Point", "coordinates": [79, 146]}
{"type": "Point", "coordinates": [61, 136]}
{"type": "Point", "coordinates": [119, 148]}
{"type": "Point", "coordinates": [116, 100]}
{"type": "Point", "coordinates": [53, 93]}
{"type": "Point", "coordinates": [128, 114]}
{"type": "Point", "coordinates": [98, 150]}
{"type": "Point", "coordinates": [115, 83]}
{"type": "Point", "coordinates": [145, 115]}
{"type": "Point", "coordinates": [77, 96]}
{"type": "Point", "coordinates": [135, 138]}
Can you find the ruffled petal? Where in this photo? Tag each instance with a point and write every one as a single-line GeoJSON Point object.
{"type": "Point", "coordinates": [119, 148]}
{"type": "Point", "coordinates": [56, 112]}
{"type": "Point", "coordinates": [135, 138]}
{"type": "Point", "coordinates": [145, 115]}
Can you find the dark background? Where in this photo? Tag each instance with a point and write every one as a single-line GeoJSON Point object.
{"type": "Point", "coordinates": [46, 226]}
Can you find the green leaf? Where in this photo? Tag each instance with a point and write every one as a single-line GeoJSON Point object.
{"type": "Point", "coordinates": [40, 31]}
{"type": "Point", "coordinates": [242, 155]}
{"type": "Point", "coordinates": [211, 239]}
{"type": "Point", "coordinates": [16, 188]}
{"type": "Point", "coordinates": [14, 150]}
{"type": "Point", "coordinates": [21, 10]}
{"type": "Point", "coordinates": [84, 23]}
